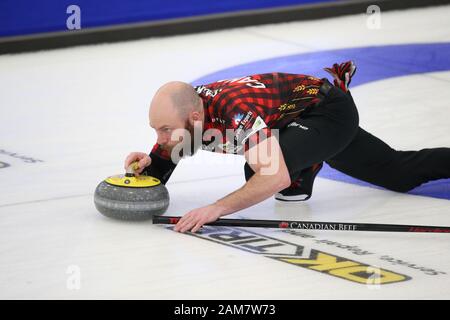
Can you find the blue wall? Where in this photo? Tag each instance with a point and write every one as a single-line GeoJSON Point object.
{"type": "Point", "coordinates": [22, 17]}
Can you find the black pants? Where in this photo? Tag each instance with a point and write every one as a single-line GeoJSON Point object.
{"type": "Point", "coordinates": [330, 132]}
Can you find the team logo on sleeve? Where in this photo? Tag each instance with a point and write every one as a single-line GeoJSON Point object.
{"type": "Point", "coordinates": [237, 119]}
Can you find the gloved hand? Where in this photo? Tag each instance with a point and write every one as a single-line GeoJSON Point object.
{"type": "Point", "coordinates": [342, 74]}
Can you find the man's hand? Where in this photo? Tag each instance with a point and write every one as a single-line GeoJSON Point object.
{"type": "Point", "coordinates": [143, 159]}
{"type": "Point", "coordinates": [271, 175]}
{"type": "Point", "coordinates": [195, 219]}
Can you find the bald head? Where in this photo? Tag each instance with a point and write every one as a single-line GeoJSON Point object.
{"type": "Point", "coordinates": [176, 96]}
{"type": "Point", "coordinates": [175, 105]}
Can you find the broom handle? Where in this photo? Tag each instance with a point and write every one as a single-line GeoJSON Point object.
{"type": "Point", "coordinates": [311, 225]}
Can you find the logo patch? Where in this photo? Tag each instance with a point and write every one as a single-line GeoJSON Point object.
{"type": "Point", "coordinates": [257, 125]}
{"type": "Point", "coordinates": [295, 124]}
{"type": "Point", "coordinates": [237, 118]}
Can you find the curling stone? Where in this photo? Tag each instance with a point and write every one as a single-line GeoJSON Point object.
{"type": "Point", "coordinates": [130, 197]}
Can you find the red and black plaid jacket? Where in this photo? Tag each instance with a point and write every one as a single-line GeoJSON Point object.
{"type": "Point", "coordinates": [249, 107]}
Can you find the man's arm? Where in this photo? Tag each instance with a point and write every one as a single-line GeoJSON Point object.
{"type": "Point", "coordinates": [271, 176]}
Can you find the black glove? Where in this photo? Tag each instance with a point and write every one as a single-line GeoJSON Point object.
{"type": "Point", "coordinates": [160, 168]}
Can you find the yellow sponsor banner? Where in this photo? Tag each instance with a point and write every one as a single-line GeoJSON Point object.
{"type": "Point", "coordinates": [301, 256]}
{"type": "Point", "coordinates": [345, 269]}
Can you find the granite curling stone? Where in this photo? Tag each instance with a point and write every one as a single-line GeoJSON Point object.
{"type": "Point", "coordinates": [130, 197]}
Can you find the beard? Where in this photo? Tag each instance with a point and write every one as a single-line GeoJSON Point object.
{"type": "Point", "coordinates": [189, 144]}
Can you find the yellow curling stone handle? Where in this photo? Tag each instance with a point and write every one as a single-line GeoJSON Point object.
{"type": "Point", "coordinates": [132, 181]}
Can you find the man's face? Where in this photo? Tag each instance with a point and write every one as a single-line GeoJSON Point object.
{"type": "Point", "coordinates": [165, 123]}
{"type": "Point", "coordinates": [171, 130]}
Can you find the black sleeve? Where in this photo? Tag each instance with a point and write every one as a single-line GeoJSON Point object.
{"type": "Point", "coordinates": [160, 168]}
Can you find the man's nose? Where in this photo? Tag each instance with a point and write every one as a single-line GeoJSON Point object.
{"type": "Point", "coordinates": [162, 139]}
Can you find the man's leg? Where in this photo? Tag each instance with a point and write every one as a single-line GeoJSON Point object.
{"type": "Point", "coordinates": [301, 189]}
{"type": "Point", "coordinates": [306, 142]}
{"type": "Point", "coordinates": [369, 159]}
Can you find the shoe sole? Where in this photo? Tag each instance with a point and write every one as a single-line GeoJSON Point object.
{"type": "Point", "coordinates": [299, 197]}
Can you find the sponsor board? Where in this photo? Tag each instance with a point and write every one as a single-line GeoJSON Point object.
{"type": "Point", "coordinates": [301, 256]}
{"type": "Point", "coordinates": [18, 156]}
{"type": "Point", "coordinates": [358, 251]}
{"type": "Point", "coordinates": [4, 164]}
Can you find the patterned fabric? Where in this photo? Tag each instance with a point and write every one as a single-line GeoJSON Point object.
{"type": "Point", "coordinates": [342, 74]}
{"type": "Point", "coordinates": [244, 109]}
